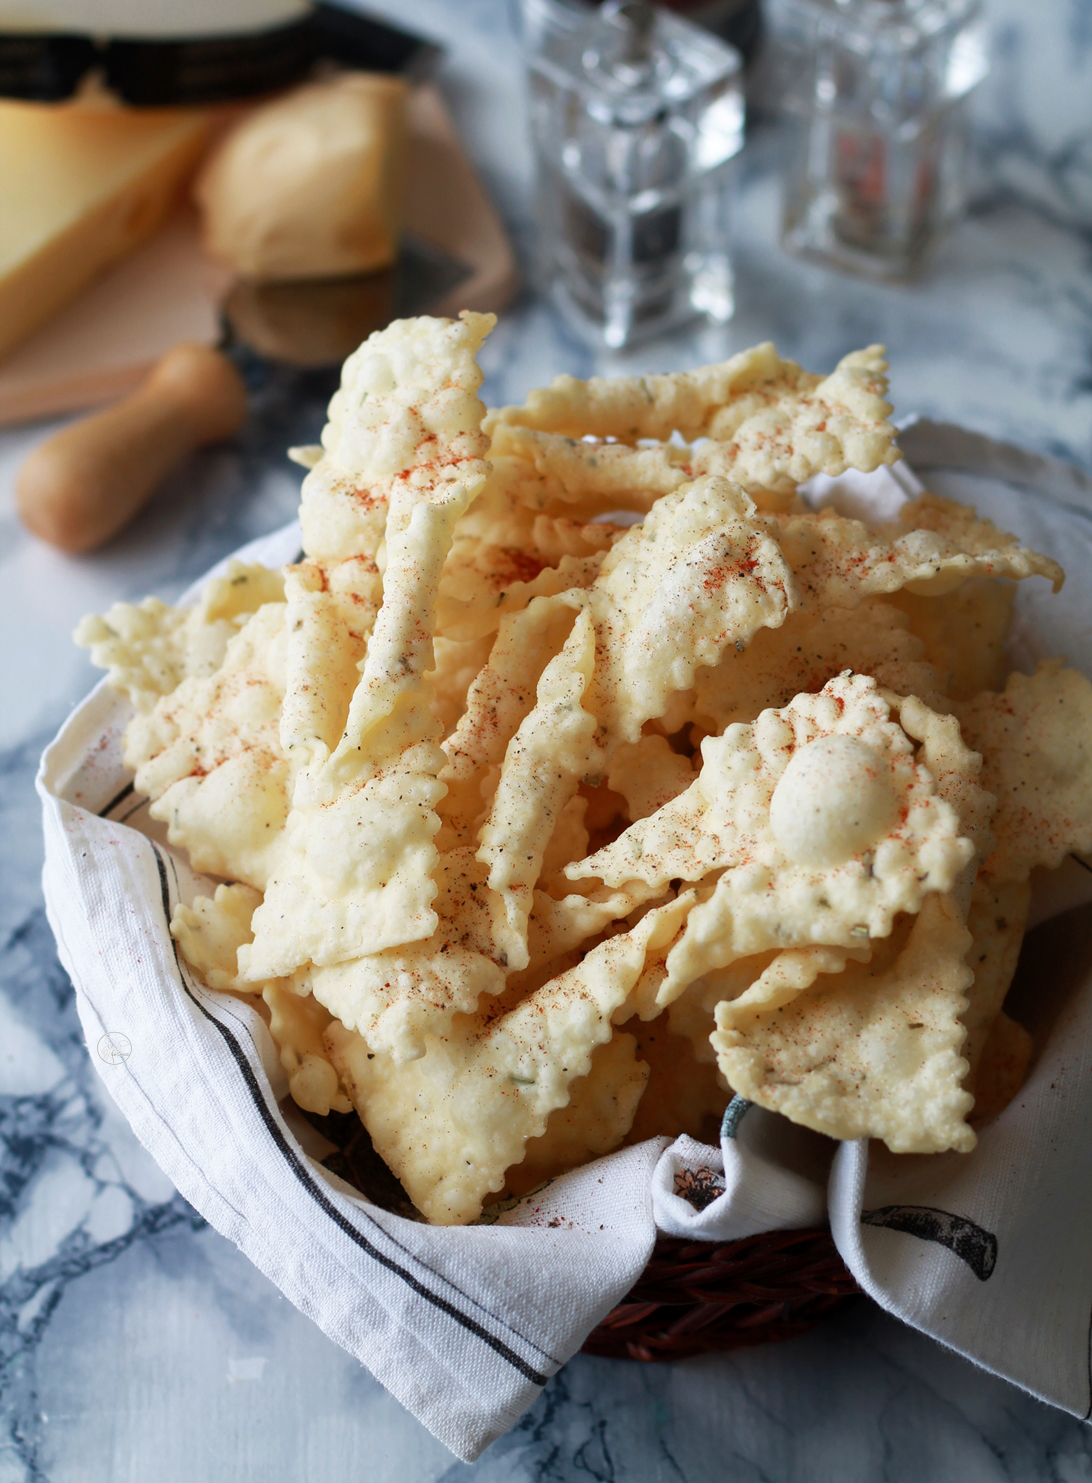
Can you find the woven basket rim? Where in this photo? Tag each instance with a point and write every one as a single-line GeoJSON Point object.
{"type": "Point", "coordinates": [699, 1297]}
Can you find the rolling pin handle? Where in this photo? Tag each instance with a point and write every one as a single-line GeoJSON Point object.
{"type": "Point", "coordinates": [86, 482]}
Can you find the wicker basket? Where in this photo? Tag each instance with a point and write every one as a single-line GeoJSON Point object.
{"type": "Point", "coordinates": [698, 1298]}
{"type": "Point", "coordinates": [694, 1297]}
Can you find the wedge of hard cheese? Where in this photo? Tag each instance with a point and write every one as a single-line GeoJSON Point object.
{"type": "Point", "coordinates": [79, 187]}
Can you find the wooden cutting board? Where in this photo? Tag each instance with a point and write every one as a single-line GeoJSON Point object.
{"type": "Point", "coordinates": [101, 346]}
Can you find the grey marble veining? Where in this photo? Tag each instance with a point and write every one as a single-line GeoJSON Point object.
{"type": "Point", "coordinates": [135, 1343]}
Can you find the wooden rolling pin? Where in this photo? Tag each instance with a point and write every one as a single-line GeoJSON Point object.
{"type": "Point", "coordinates": [82, 485]}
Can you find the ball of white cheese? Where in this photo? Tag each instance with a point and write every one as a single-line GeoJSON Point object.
{"type": "Point", "coordinates": [309, 186]}
{"type": "Point", "coordinates": [834, 800]}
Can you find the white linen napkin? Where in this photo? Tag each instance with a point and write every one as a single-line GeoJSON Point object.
{"type": "Point", "coordinates": [988, 1252]}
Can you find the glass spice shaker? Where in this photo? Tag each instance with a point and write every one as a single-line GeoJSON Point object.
{"type": "Point", "coordinates": [739, 22]}
{"type": "Point", "coordinates": [634, 117]}
{"type": "Point", "coordinates": [876, 93]}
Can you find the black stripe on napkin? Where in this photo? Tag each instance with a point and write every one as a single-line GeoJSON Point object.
{"type": "Point", "coordinates": [239, 1056]}
{"type": "Point", "coordinates": [126, 792]}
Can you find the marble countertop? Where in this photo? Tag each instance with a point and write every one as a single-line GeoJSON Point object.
{"type": "Point", "coordinates": [135, 1343]}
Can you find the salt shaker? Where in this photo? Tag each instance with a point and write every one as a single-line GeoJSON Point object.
{"type": "Point", "coordinates": [876, 91]}
{"type": "Point", "coordinates": [635, 115]}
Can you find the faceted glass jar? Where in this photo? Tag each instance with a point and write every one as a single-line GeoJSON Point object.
{"type": "Point", "coordinates": [634, 116]}
{"type": "Point", "coordinates": [876, 94]}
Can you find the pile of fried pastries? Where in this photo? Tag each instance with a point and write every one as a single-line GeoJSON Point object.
{"type": "Point", "coordinates": [580, 776]}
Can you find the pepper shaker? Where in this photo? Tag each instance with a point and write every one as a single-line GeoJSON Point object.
{"type": "Point", "coordinates": [635, 115]}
